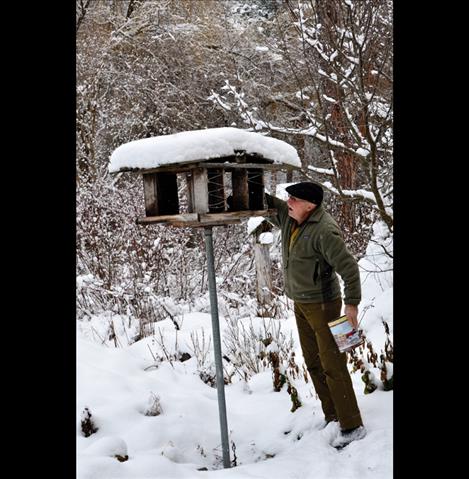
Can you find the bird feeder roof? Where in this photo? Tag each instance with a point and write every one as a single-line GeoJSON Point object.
{"type": "Point", "coordinates": [199, 145]}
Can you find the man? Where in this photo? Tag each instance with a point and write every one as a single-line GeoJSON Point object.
{"type": "Point", "coordinates": [313, 251]}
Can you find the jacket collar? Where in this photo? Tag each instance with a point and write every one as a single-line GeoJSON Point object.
{"type": "Point", "coordinates": [316, 215]}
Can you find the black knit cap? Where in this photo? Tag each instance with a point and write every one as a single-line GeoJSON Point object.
{"type": "Point", "coordinates": [306, 190]}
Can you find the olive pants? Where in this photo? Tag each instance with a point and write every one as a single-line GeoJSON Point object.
{"type": "Point", "coordinates": [326, 365]}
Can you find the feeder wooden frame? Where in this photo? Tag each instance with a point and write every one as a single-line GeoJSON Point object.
{"type": "Point", "coordinates": [205, 181]}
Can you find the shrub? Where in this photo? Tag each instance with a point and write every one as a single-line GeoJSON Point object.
{"type": "Point", "coordinates": [88, 426]}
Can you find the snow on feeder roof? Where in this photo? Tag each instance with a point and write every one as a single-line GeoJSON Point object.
{"type": "Point", "coordinates": [204, 178]}
{"type": "Point", "coordinates": [199, 145]}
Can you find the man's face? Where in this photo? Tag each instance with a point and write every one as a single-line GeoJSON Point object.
{"type": "Point", "coordinates": [299, 209]}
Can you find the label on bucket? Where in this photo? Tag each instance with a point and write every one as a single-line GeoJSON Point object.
{"type": "Point", "coordinates": [344, 334]}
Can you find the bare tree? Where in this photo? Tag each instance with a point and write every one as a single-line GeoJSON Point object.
{"type": "Point", "coordinates": [81, 9]}
{"type": "Point", "coordinates": [347, 47]}
{"type": "Point", "coordinates": [332, 86]}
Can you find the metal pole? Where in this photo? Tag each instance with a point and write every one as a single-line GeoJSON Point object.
{"type": "Point", "coordinates": [217, 346]}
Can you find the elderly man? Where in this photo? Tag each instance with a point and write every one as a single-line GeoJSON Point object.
{"type": "Point", "coordinates": [313, 252]}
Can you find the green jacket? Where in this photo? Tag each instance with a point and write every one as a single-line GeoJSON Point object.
{"type": "Point", "coordinates": [317, 253]}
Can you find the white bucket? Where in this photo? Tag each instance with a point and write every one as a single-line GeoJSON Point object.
{"type": "Point", "coordinates": [346, 337]}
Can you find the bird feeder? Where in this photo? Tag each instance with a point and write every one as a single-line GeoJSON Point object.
{"type": "Point", "coordinates": [222, 171]}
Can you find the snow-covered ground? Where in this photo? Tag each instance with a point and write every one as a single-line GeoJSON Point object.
{"type": "Point", "coordinates": [119, 386]}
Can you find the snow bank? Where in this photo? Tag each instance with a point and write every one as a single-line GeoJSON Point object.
{"type": "Point", "coordinates": [271, 442]}
{"type": "Point", "coordinates": [376, 272]}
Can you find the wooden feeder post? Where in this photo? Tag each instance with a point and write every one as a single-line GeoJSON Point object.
{"type": "Point", "coordinates": [263, 269]}
{"type": "Point", "coordinates": [208, 204]}
{"type": "Point", "coordinates": [263, 275]}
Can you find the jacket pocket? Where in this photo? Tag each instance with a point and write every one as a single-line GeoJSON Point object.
{"type": "Point", "coordinates": [316, 271]}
